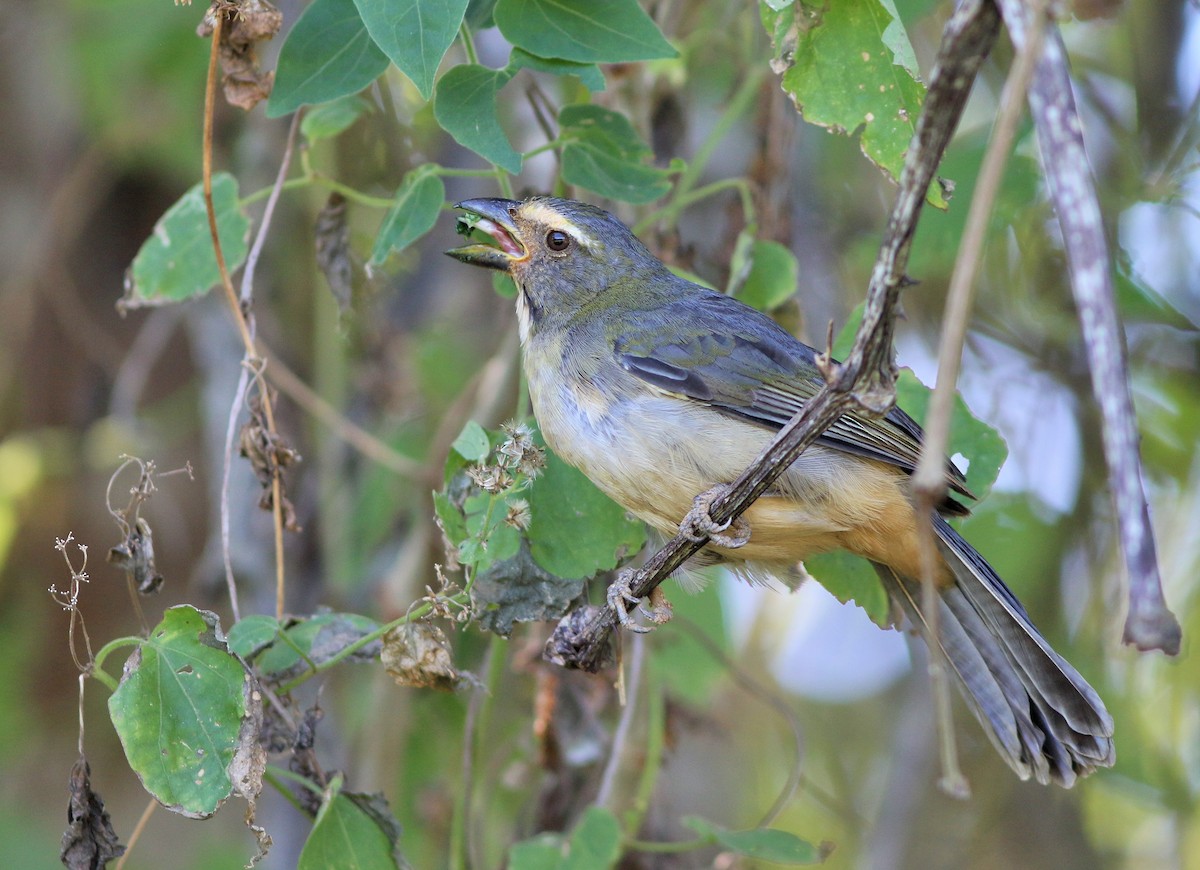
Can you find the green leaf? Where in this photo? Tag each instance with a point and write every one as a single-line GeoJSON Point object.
{"type": "Point", "coordinates": [347, 838]}
{"type": "Point", "coordinates": [504, 286]}
{"type": "Point", "coordinates": [464, 104]}
{"type": "Point", "coordinates": [178, 711]}
{"type": "Point", "coordinates": [850, 578]}
{"type": "Point", "coordinates": [472, 442]}
{"type": "Point", "coordinates": [605, 154]}
{"type": "Point", "coordinates": [1138, 302]}
{"type": "Point", "coordinates": [595, 843]}
{"type": "Point", "coordinates": [980, 444]}
{"type": "Point", "coordinates": [583, 31]}
{"type": "Point", "coordinates": [328, 54]}
{"type": "Point", "coordinates": [318, 637]}
{"type": "Point", "coordinates": [452, 520]}
{"type": "Point", "coordinates": [588, 73]}
{"type": "Point", "coordinates": [329, 119]}
{"type": "Point", "coordinates": [177, 261]}
{"type": "Point", "coordinates": [418, 204]}
{"type": "Point", "coordinates": [576, 530]}
{"type": "Point", "coordinates": [853, 69]}
{"type": "Point", "coordinates": [773, 276]}
{"type": "Point", "coordinates": [415, 34]}
{"type": "Point", "coordinates": [765, 844]}
{"type": "Point", "coordinates": [600, 172]}
{"type": "Point", "coordinates": [543, 852]}
{"type": "Point", "coordinates": [685, 666]}
{"type": "Point", "coordinates": [251, 634]}
{"type": "Point", "coordinates": [604, 127]}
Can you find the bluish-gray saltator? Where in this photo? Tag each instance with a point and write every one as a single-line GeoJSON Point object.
{"type": "Point", "coordinates": [659, 390]}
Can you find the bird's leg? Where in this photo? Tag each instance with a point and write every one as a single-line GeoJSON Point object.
{"type": "Point", "coordinates": [619, 595]}
{"type": "Point", "coordinates": [699, 524]}
{"type": "Point", "coordinates": [660, 610]}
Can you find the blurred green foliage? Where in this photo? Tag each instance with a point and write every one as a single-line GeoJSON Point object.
{"type": "Point", "coordinates": [672, 113]}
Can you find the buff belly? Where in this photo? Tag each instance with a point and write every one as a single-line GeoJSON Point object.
{"type": "Point", "coordinates": [653, 453]}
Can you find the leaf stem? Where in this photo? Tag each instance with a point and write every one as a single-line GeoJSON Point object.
{"type": "Point", "coordinates": [671, 210]}
{"type": "Point", "coordinates": [98, 662]}
{"type": "Point", "coordinates": [461, 599]}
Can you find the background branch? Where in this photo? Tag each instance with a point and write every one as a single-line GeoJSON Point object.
{"type": "Point", "coordinates": [1150, 624]}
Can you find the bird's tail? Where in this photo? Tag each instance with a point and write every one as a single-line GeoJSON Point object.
{"type": "Point", "coordinates": [1042, 716]}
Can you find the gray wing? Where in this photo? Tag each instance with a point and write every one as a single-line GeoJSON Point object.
{"type": "Point", "coordinates": [739, 361]}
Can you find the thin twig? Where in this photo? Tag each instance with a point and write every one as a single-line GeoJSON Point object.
{"type": "Point", "coordinates": [244, 323]}
{"type": "Point", "coordinates": [929, 478]}
{"type": "Point", "coordinates": [231, 429]}
{"type": "Point", "coordinates": [360, 439]}
{"type": "Point", "coordinates": [1150, 624]}
{"type": "Point", "coordinates": [637, 664]}
{"type": "Point", "coordinates": [268, 213]}
{"type": "Point", "coordinates": [137, 832]}
{"type": "Point", "coordinates": [865, 380]}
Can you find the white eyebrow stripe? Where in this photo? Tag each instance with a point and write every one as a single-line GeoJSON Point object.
{"type": "Point", "coordinates": [544, 214]}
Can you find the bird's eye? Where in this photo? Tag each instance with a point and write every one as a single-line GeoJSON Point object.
{"type": "Point", "coordinates": [557, 240]}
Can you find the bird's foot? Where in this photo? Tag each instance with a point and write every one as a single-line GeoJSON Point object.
{"type": "Point", "coordinates": [620, 595]}
{"type": "Point", "coordinates": [660, 610]}
{"type": "Point", "coordinates": [699, 524]}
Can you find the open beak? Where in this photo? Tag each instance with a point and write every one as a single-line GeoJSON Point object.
{"type": "Point", "coordinates": [494, 218]}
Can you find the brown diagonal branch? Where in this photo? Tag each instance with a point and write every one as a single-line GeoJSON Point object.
{"type": "Point", "coordinates": [866, 379]}
{"type": "Point", "coordinates": [1150, 624]}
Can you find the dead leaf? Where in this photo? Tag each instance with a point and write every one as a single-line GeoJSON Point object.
{"type": "Point", "coordinates": [269, 453]}
{"type": "Point", "coordinates": [418, 655]}
{"type": "Point", "coordinates": [249, 764]}
{"type": "Point", "coordinates": [247, 23]}
{"type": "Point", "coordinates": [89, 841]}
{"type": "Point", "coordinates": [135, 555]}
{"type": "Point", "coordinates": [333, 249]}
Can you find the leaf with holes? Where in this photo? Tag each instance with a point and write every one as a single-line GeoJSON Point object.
{"type": "Point", "coordinates": [178, 711]}
{"type": "Point", "coordinates": [850, 67]}
{"type": "Point", "coordinates": [327, 54]}
{"type": "Point", "coordinates": [177, 261]}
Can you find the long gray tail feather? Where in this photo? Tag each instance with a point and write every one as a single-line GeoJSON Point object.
{"type": "Point", "coordinates": [1042, 716]}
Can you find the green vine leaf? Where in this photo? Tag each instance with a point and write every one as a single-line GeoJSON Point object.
{"type": "Point", "coordinates": [850, 67]}
{"type": "Point", "coordinates": [329, 119]}
{"type": "Point", "coordinates": [582, 30]}
{"type": "Point", "coordinates": [605, 154]}
{"type": "Point", "coordinates": [587, 73]}
{"type": "Point", "coordinates": [177, 261]}
{"type": "Point", "coordinates": [179, 710]}
{"type": "Point", "coordinates": [351, 831]}
{"type": "Point", "coordinates": [772, 276]}
{"type": "Point", "coordinates": [464, 104]}
{"type": "Point", "coordinates": [328, 54]}
{"type": "Point", "coordinates": [850, 578]}
{"type": "Point", "coordinates": [765, 844]}
{"type": "Point", "coordinates": [418, 204]}
{"type": "Point", "coordinates": [414, 34]}
{"type": "Point", "coordinates": [576, 530]}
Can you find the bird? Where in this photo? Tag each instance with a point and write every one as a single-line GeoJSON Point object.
{"type": "Point", "coordinates": [659, 390]}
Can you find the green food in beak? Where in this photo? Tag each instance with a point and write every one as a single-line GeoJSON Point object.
{"type": "Point", "coordinates": [494, 218]}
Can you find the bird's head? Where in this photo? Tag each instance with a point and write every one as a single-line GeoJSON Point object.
{"type": "Point", "coordinates": [561, 253]}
